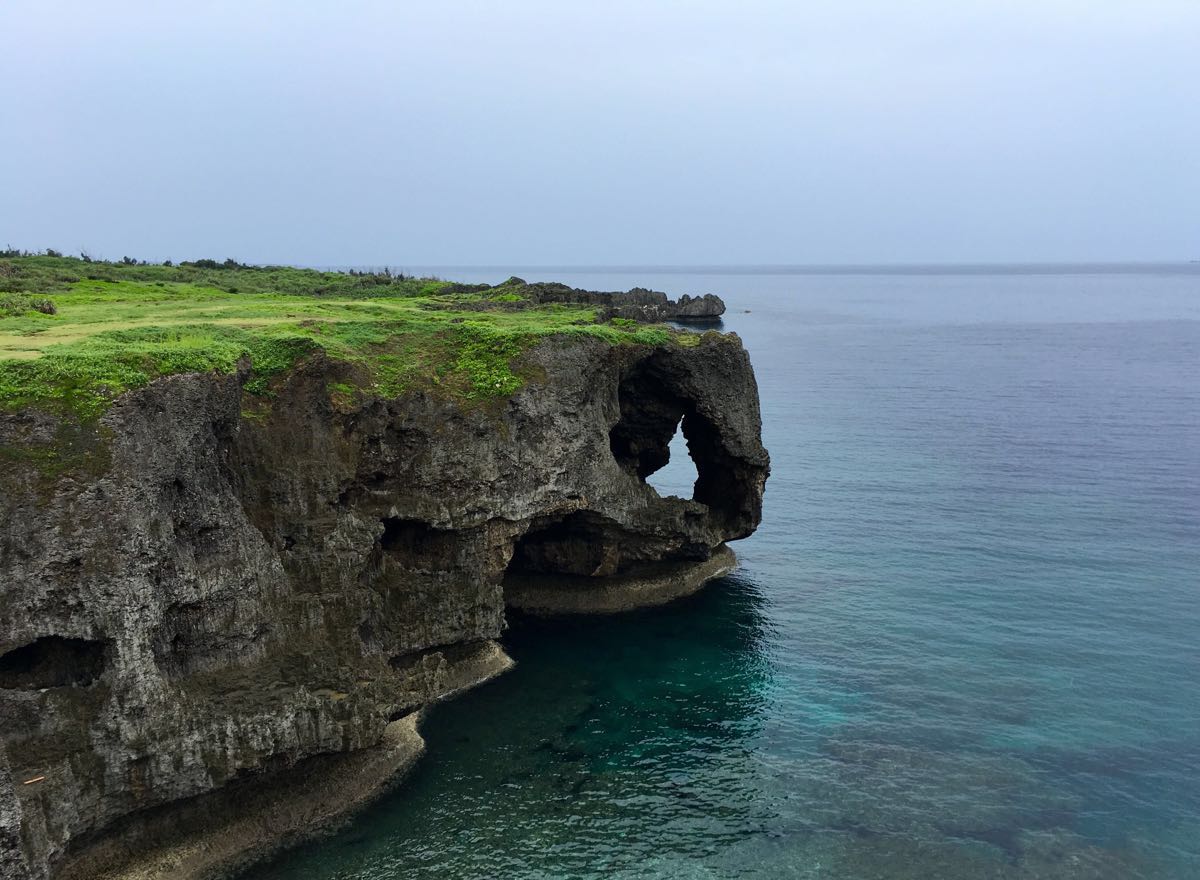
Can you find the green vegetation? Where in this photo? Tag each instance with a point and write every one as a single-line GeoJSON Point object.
{"type": "Point", "coordinates": [75, 333]}
{"type": "Point", "coordinates": [20, 303]}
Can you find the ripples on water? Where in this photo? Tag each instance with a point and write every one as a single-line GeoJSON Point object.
{"type": "Point", "coordinates": [963, 643]}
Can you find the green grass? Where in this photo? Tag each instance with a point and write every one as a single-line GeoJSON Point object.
{"type": "Point", "coordinates": [117, 327]}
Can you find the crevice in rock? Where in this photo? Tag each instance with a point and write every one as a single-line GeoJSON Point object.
{"type": "Point", "coordinates": [53, 661]}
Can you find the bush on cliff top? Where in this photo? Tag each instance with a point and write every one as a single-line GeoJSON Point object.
{"type": "Point", "coordinates": [119, 326]}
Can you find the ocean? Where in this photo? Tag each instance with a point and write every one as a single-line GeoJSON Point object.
{"type": "Point", "coordinates": [964, 643]}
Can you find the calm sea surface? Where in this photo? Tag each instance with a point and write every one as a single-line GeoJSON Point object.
{"type": "Point", "coordinates": [965, 642]}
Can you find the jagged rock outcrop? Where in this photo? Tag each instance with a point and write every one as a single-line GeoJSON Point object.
{"type": "Point", "coordinates": [637, 304]}
{"type": "Point", "coordinates": [194, 596]}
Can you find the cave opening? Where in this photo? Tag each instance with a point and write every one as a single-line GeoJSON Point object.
{"type": "Point", "coordinates": [580, 543]}
{"type": "Point", "coordinates": [53, 661]}
{"type": "Point", "coordinates": [416, 544]}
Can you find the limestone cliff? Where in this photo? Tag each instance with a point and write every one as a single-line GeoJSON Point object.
{"type": "Point", "coordinates": [199, 595]}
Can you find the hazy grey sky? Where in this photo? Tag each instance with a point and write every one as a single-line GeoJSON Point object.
{"type": "Point", "coordinates": [618, 132]}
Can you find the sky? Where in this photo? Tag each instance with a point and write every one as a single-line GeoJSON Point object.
{"type": "Point", "coordinates": [616, 133]}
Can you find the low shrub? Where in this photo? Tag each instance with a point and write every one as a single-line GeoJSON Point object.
{"type": "Point", "coordinates": [20, 303]}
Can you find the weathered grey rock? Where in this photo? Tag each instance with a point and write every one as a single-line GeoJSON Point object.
{"type": "Point", "coordinates": [220, 831]}
{"type": "Point", "coordinates": [638, 304]}
{"type": "Point", "coordinates": [193, 596]}
{"type": "Point", "coordinates": [699, 308]}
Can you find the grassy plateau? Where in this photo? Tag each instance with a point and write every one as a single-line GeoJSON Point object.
{"type": "Point", "coordinates": [74, 333]}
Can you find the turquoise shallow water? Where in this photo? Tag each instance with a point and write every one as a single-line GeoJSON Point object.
{"type": "Point", "coordinates": [963, 644]}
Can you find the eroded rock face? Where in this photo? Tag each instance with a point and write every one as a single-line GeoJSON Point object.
{"type": "Point", "coordinates": [213, 594]}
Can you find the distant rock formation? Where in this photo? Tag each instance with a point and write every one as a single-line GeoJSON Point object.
{"type": "Point", "coordinates": [638, 304]}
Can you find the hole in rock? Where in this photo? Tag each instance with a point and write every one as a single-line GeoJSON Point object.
{"type": "Point", "coordinates": [679, 475]}
{"type": "Point", "coordinates": [52, 661]}
{"type": "Point", "coordinates": [658, 425]}
{"type": "Point", "coordinates": [653, 399]}
{"type": "Point", "coordinates": [416, 544]}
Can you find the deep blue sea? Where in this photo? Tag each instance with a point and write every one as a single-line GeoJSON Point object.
{"type": "Point", "coordinates": [965, 642]}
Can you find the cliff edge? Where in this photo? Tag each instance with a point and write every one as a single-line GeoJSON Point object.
{"type": "Point", "coordinates": [214, 590]}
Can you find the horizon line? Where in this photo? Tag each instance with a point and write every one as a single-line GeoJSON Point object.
{"type": "Point", "coordinates": [796, 268]}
